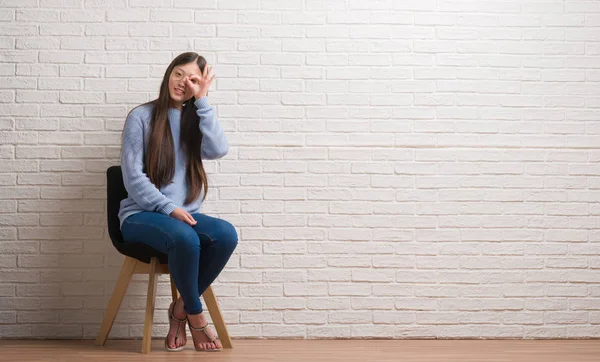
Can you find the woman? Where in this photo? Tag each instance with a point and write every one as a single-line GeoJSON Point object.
{"type": "Point", "coordinates": [164, 143]}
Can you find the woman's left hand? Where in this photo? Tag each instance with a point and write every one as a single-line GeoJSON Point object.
{"type": "Point", "coordinates": [199, 84]}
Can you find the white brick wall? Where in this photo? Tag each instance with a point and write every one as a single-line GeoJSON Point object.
{"type": "Point", "coordinates": [399, 168]}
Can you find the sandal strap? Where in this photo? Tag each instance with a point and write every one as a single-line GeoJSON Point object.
{"type": "Point", "coordinates": [172, 314]}
{"type": "Point", "coordinates": [203, 329]}
{"type": "Point", "coordinates": [198, 329]}
{"type": "Point", "coordinates": [179, 321]}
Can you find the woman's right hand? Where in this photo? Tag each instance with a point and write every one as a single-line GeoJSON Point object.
{"type": "Point", "coordinates": [182, 215]}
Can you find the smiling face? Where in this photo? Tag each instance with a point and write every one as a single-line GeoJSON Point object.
{"type": "Point", "coordinates": [178, 91]}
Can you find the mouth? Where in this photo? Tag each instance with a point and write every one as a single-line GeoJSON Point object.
{"type": "Point", "coordinates": [179, 91]}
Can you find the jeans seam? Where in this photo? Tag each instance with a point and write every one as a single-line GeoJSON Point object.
{"type": "Point", "coordinates": [200, 233]}
{"type": "Point", "coordinates": [212, 241]}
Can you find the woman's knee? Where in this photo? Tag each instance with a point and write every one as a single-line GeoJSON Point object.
{"type": "Point", "coordinates": [185, 238]}
{"type": "Point", "coordinates": [227, 235]}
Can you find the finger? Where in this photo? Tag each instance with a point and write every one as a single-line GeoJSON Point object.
{"type": "Point", "coordinates": [205, 71]}
{"type": "Point", "coordinates": [191, 218]}
{"type": "Point", "coordinates": [180, 215]}
{"type": "Point", "coordinates": [210, 74]}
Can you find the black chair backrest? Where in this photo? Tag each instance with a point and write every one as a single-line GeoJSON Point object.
{"type": "Point", "coordinates": [115, 192]}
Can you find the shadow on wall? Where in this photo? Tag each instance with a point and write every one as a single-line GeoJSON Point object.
{"type": "Point", "coordinates": [66, 263]}
{"type": "Point", "coordinates": [66, 266]}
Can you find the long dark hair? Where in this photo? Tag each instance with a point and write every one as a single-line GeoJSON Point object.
{"type": "Point", "coordinates": [160, 158]}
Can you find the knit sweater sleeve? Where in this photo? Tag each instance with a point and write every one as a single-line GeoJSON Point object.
{"type": "Point", "coordinates": [214, 142]}
{"type": "Point", "coordinates": [138, 185]}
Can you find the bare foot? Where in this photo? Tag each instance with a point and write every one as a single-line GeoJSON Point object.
{"type": "Point", "coordinates": [201, 340]}
{"type": "Point", "coordinates": [179, 313]}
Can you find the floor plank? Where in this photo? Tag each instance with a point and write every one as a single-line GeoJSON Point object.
{"type": "Point", "coordinates": [311, 350]}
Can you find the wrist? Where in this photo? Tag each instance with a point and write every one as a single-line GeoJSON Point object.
{"type": "Point", "coordinates": [168, 208]}
{"type": "Point", "coordinates": [202, 102]}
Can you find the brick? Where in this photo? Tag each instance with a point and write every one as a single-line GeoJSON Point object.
{"type": "Point", "coordinates": [216, 17]}
{"type": "Point", "coordinates": [284, 331]}
{"type": "Point", "coordinates": [61, 29]}
{"type": "Point", "coordinates": [283, 303]}
{"type": "Point", "coordinates": [136, 30]}
{"type": "Point", "coordinates": [38, 43]}
{"type": "Point", "coordinates": [82, 43]}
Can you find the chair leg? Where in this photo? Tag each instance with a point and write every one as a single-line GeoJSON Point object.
{"type": "Point", "coordinates": [115, 300]}
{"type": "Point", "coordinates": [150, 299]}
{"type": "Point", "coordinates": [174, 293]}
{"type": "Point", "coordinates": [217, 317]}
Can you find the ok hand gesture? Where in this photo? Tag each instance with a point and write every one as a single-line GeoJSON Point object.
{"type": "Point", "coordinates": [199, 84]}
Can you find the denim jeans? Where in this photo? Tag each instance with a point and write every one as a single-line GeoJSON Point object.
{"type": "Point", "coordinates": [197, 254]}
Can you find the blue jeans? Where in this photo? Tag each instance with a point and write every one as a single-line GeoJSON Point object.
{"type": "Point", "coordinates": [197, 254]}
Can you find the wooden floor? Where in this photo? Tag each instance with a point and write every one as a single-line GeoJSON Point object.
{"type": "Point", "coordinates": [312, 351]}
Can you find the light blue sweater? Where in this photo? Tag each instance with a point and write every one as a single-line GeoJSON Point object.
{"type": "Point", "coordinates": [143, 194]}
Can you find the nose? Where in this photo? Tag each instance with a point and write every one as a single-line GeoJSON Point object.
{"type": "Point", "coordinates": [184, 81]}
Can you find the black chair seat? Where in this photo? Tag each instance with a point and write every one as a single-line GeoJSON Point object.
{"type": "Point", "coordinates": [115, 192]}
